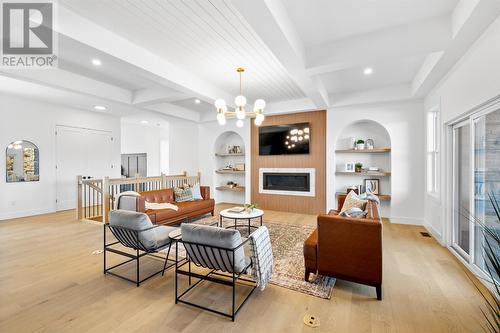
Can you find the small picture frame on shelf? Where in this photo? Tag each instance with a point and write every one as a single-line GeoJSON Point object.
{"type": "Point", "coordinates": [239, 166]}
{"type": "Point", "coordinates": [372, 185]}
{"type": "Point", "coordinates": [349, 167]}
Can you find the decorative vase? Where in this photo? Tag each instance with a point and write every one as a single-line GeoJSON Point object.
{"type": "Point", "coordinates": [360, 146]}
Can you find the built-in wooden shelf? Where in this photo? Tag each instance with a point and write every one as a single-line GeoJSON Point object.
{"type": "Point", "coordinates": [232, 189]}
{"type": "Point", "coordinates": [364, 151]}
{"type": "Point", "coordinates": [231, 171]}
{"type": "Point", "coordinates": [227, 155]}
{"type": "Point", "coordinates": [364, 173]}
{"type": "Point", "coordinates": [382, 197]}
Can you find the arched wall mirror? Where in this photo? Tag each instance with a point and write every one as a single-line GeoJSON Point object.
{"type": "Point", "coordinates": [22, 162]}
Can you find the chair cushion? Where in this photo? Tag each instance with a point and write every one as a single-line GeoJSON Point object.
{"type": "Point", "coordinates": [151, 239]}
{"type": "Point", "coordinates": [214, 236]}
{"type": "Point", "coordinates": [162, 236]}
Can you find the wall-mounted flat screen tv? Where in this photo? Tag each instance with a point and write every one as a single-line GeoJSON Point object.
{"type": "Point", "coordinates": [284, 139]}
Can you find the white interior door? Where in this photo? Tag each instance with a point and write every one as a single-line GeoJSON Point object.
{"type": "Point", "coordinates": [99, 152]}
{"type": "Point", "coordinates": [79, 152]}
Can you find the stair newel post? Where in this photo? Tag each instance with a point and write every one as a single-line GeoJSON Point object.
{"type": "Point", "coordinates": [106, 200]}
{"type": "Point", "coordinates": [163, 181]}
{"type": "Point", "coordinates": [79, 199]}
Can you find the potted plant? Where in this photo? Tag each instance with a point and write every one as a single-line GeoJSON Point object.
{"type": "Point", "coordinates": [231, 184]}
{"type": "Point", "coordinates": [360, 144]}
{"type": "Point", "coordinates": [250, 207]}
{"type": "Point", "coordinates": [491, 255]}
{"type": "Point", "coordinates": [358, 167]}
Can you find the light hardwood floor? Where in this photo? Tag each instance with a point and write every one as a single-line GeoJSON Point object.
{"type": "Point", "coordinates": [51, 282]}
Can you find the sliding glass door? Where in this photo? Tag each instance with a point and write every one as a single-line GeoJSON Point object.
{"type": "Point", "coordinates": [486, 177]}
{"type": "Point", "coordinates": [476, 178]}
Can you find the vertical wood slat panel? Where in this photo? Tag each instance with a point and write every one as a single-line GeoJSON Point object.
{"type": "Point", "coordinates": [315, 159]}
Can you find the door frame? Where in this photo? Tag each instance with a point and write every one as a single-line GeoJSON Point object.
{"type": "Point", "coordinates": [469, 257]}
{"type": "Point", "coordinates": [476, 112]}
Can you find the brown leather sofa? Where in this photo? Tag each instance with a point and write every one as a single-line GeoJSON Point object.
{"type": "Point", "coordinates": [347, 248]}
{"type": "Point", "coordinates": [187, 210]}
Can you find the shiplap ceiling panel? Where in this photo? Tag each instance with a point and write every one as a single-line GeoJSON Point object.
{"type": "Point", "coordinates": [208, 37]}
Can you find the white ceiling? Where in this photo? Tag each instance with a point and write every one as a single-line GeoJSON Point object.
{"type": "Point", "coordinates": [321, 21]}
{"type": "Point", "coordinates": [77, 57]}
{"type": "Point", "coordinates": [398, 71]}
{"type": "Point", "coordinates": [158, 56]}
{"type": "Point", "coordinates": [206, 37]}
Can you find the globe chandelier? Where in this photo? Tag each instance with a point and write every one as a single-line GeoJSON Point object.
{"type": "Point", "coordinates": [240, 113]}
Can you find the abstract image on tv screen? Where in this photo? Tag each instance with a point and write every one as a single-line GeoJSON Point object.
{"type": "Point", "coordinates": [284, 139]}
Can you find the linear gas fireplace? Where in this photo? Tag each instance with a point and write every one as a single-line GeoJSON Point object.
{"type": "Point", "coordinates": [287, 181]}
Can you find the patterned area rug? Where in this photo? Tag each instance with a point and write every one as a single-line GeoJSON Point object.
{"type": "Point", "coordinates": [287, 242]}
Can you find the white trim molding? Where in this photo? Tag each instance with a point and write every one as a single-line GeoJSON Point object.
{"type": "Point", "coordinates": [312, 181]}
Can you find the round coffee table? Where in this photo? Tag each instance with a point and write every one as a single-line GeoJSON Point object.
{"type": "Point", "coordinates": [245, 216]}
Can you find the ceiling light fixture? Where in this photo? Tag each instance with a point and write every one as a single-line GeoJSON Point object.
{"type": "Point", "coordinates": [240, 113]}
{"type": "Point", "coordinates": [197, 101]}
{"type": "Point", "coordinates": [100, 107]}
{"type": "Point", "coordinates": [368, 71]}
{"type": "Point", "coordinates": [96, 62]}
{"type": "Point", "coordinates": [144, 122]}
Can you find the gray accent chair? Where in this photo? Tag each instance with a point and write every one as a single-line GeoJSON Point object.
{"type": "Point", "coordinates": [221, 252]}
{"type": "Point", "coordinates": [135, 231]}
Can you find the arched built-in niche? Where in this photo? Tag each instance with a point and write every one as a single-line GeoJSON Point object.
{"type": "Point", "coordinates": [379, 156]}
{"type": "Point", "coordinates": [229, 167]}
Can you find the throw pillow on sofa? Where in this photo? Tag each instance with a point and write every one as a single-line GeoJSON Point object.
{"type": "Point", "coordinates": [352, 200]}
{"type": "Point", "coordinates": [183, 194]}
{"type": "Point", "coordinates": [196, 191]}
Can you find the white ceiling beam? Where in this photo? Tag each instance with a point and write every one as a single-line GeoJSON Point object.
{"type": "Point", "coordinates": [85, 31]}
{"type": "Point", "coordinates": [156, 95]}
{"type": "Point", "coordinates": [469, 22]}
{"type": "Point", "coordinates": [402, 41]}
{"type": "Point", "coordinates": [175, 111]}
{"type": "Point", "coordinates": [58, 78]}
{"type": "Point", "coordinates": [268, 18]}
{"type": "Point", "coordinates": [393, 93]}
{"type": "Point", "coordinates": [41, 92]}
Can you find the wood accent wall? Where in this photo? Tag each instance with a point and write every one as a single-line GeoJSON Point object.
{"type": "Point", "coordinates": [315, 159]}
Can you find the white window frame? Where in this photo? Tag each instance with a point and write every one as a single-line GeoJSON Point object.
{"type": "Point", "coordinates": [432, 148]}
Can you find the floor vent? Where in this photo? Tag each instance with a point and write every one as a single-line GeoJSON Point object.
{"type": "Point", "coordinates": [425, 234]}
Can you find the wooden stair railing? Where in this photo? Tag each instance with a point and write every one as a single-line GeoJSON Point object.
{"type": "Point", "coordinates": [96, 197]}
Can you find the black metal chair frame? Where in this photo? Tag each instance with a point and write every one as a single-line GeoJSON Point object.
{"type": "Point", "coordinates": [231, 279]}
{"type": "Point", "coordinates": [130, 238]}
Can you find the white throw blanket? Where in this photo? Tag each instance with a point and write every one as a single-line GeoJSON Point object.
{"type": "Point", "coordinates": [262, 256]}
{"type": "Point", "coordinates": [161, 205]}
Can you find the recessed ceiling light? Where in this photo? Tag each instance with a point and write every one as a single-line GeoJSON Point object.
{"type": "Point", "coordinates": [99, 107]}
{"type": "Point", "coordinates": [368, 71]}
{"type": "Point", "coordinates": [96, 62]}
{"type": "Point", "coordinates": [144, 122]}
{"type": "Point", "coordinates": [197, 101]}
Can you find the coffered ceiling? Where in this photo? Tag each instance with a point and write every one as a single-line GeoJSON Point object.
{"type": "Point", "coordinates": [176, 57]}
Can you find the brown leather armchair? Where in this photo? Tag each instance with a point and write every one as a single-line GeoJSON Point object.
{"type": "Point", "coordinates": [347, 248]}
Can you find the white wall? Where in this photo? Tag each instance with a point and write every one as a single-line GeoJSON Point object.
{"type": "Point", "coordinates": [474, 80]}
{"type": "Point", "coordinates": [138, 138]}
{"type": "Point", "coordinates": [36, 121]}
{"type": "Point", "coordinates": [405, 125]}
{"type": "Point", "coordinates": [209, 132]}
{"type": "Point", "coordinates": [183, 141]}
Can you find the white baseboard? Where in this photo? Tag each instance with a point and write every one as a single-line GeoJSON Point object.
{"type": "Point", "coordinates": [435, 233]}
{"type": "Point", "coordinates": [24, 213]}
{"type": "Point", "coordinates": [406, 220]}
